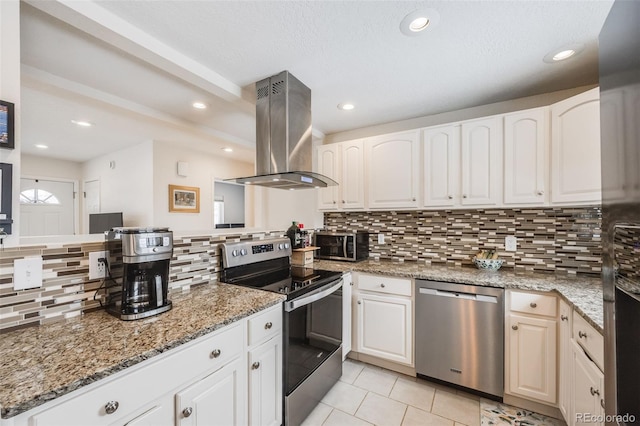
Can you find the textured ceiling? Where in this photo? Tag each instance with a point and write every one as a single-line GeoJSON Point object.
{"type": "Point", "coordinates": [480, 52]}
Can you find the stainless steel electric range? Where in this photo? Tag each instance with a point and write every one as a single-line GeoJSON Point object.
{"type": "Point", "coordinates": [312, 318]}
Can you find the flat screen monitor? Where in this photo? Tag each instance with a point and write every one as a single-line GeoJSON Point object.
{"type": "Point", "coordinates": [101, 222]}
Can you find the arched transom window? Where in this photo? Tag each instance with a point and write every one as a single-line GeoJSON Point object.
{"type": "Point", "coordinates": [38, 196]}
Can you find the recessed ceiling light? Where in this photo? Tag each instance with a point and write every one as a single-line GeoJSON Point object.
{"type": "Point", "coordinates": [418, 21]}
{"type": "Point", "coordinates": [227, 149]}
{"type": "Point", "coordinates": [199, 105]}
{"type": "Point", "coordinates": [563, 53]}
{"type": "Point", "coordinates": [41, 146]}
{"type": "Point", "coordinates": [81, 123]}
{"type": "Point", "coordinates": [275, 179]}
{"type": "Point", "coordinates": [292, 189]}
{"type": "Point", "coordinates": [346, 106]}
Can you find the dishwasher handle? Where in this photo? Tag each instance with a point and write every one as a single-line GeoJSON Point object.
{"type": "Point", "coordinates": [459, 295]}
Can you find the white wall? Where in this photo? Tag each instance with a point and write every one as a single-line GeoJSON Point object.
{"type": "Point", "coordinates": [10, 91]}
{"type": "Point", "coordinates": [128, 187]}
{"type": "Point", "coordinates": [203, 169]}
{"type": "Point", "coordinates": [45, 167]}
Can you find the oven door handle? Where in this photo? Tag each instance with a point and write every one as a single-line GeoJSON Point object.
{"type": "Point", "coordinates": [314, 297]}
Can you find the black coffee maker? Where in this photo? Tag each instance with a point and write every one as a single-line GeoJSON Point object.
{"type": "Point", "coordinates": [138, 286]}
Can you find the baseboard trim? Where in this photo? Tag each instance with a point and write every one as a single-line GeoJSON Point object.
{"type": "Point", "coordinates": [538, 407]}
{"type": "Point", "coordinates": [389, 365]}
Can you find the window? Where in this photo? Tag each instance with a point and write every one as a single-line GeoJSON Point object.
{"type": "Point", "coordinates": [38, 196]}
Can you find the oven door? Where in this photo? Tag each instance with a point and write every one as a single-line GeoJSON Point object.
{"type": "Point", "coordinates": [313, 332]}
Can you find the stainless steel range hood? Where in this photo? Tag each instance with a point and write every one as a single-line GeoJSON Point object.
{"type": "Point", "coordinates": [283, 136]}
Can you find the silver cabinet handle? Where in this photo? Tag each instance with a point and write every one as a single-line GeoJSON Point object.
{"type": "Point", "coordinates": [344, 202]}
{"type": "Point", "coordinates": [255, 365]}
{"type": "Point", "coordinates": [268, 325]}
{"type": "Point", "coordinates": [215, 353]}
{"type": "Point", "coordinates": [564, 317]}
{"type": "Point", "coordinates": [540, 192]}
{"type": "Point", "coordinates": [359, 302]}
{"type": "Point", "coordinates": [334, 202]}
{"type": "Point", "coordinates": [464, 196]}
{"type": "Point", "coordinates": [581, 334]}
{"type": "Point", "coordinates": [413, 199]}
{"type": "Point", "coordinates": [382, 285]}
{"type": "Point", "coordinates": [111, 407]}
{"type": "Point", "coordinates": [594, 391]}
{"type": "Point", "coordinates": [515, 327]}
{"type": "Point", "coordinates": [533, 304]}
{"type": "Point", "coordinates": [187, 412]}
{"type": "Point", "coordinates": [450, 197]}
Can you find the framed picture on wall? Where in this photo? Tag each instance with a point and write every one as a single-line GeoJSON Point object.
{"type": "Point", "coordinates": [7, 136]}
{"type": "Point", "coordinates": [184, 199]}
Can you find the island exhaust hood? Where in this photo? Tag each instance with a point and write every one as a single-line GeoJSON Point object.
{"type": "Point", "coordinates": [283, 136]}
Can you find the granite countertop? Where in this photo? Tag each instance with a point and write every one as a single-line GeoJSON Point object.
{"type": "Point", "coordinates": [584, 293]}
{"type": "Point", "coordinates": [45, 362]}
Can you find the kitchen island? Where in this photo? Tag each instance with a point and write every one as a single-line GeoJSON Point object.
{"type": "Point", "coordinates": [43, 363]}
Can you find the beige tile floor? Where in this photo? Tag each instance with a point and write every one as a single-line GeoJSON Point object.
{"type": "Point", "coordinates": [367, 395]}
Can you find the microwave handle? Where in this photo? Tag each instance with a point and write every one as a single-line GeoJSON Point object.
{"type": "Point", "coordinates": [314, 297]}
{"type": "Point", "coordinates": [344, 246]}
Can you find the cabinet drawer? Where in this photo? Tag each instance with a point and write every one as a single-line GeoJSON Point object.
{"type": "Point", "coordinates": [533, 303]}
{"type": "Point", "coordinates": [265, 325]}
{"type": "Point", "coordinates": [383, 284]}
{"type": "Point", "coordinates": [590, 340]}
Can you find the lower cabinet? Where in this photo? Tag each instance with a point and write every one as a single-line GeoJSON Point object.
{"type": "Point", "coordinates": [384, 318]}
{"type": "Point", "coordinates": [587, 389]}
{"type": "Point", "coordinates": [230, 377]}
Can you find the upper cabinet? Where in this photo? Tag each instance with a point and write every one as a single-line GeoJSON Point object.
{"type": "Point", "coordinates": [328, 160]}
{"type": "Point", "coordinates": [575, 149]}
{"type": "Point", "coordinates": [392, 175]}
{"type": "Point", "coordinates": [441, 166]}
{"type": "Point", "coordinates": [481, 155]}
{"type": "Point", "coordinates": [526, 138]}
{"type": "Point", "coordinates": [344, 163]}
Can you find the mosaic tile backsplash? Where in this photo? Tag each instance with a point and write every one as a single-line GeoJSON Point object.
{"type": "Point", "coordinates": [563, 240]}
{"type": "Point", "coordinates": [67, 291]}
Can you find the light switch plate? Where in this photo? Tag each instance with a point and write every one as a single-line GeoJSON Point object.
{"type": "Point", "coordinates": [380, 238]}
{"type": "Point", "coordinates": [510, 243]}
{"type": "Point", "coordinates": [27, 273]}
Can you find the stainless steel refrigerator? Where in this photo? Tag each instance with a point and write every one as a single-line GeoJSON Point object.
{"type": "Point", "coordinates": [619, 59]}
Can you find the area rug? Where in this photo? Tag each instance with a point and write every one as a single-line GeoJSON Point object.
{"type": "Point", "coordinates": [494, 413]}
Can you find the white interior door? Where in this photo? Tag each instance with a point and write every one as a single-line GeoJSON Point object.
{"type": "Point", "coordinates": [46, 207]}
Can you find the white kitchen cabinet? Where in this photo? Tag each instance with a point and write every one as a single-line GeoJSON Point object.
{"type": "Point", "coordinates": [587, 389]}
{"type": "Point", "coordinates": [160, 414]}
{"type": "Point", "coordinates": [347, 293]}
{"type": "Point", "coordinates": [218, 399]}
{"type": "Point", "coordinates": [392, 172]}
{"type": "Point", "coordinates": [481, 159]}
{"type": "Point", "coordinates": [441, 166]}
{"type": "Point", "coordinates": [564, 360]}
{"type": "Point", "coordinates": [526, 138]}
{"type": "Point", "coordinates": [384, 318]}
{"type": "Point", "coordinates": [265, 383]}
{"type": "Point", "coordinates": [344, 163]}
{"type": "Point", "coordinates": [575, 149]}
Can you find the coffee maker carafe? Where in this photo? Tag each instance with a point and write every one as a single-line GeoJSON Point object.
{"type": "Point", "coordinates": [139, 286]}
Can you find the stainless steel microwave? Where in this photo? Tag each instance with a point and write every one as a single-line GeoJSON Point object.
{"type": "Point", "coordinates": [349, 246]}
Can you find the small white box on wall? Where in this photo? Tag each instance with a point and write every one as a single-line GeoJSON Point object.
{"type": "Point", "coordinates": [27, 273]}
{"type": "Point", "coordinates": [183, 168]}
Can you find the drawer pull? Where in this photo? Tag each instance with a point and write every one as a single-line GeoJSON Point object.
{"type": "Point", "coordinates": [450, 197]}
{"type": "Point", "coordinates": [268, 325]}
{"type": "Point", "coordinates": [515, 327]}
{"type": "Point", "coordinates": [359, 302]}
{"type": "Point", "coordinates": [594, 391]}
{"type": "Point", "coordinates": [111, 407]}
{"type": "Point", "coordinates": [581, 334]}
{"type": "Point", "coordinates": [255, 365]}
{"type": "Point", "coordinates": [564, 318]}
{"type": "Point", "coordinates": [540, 192]}
{"type": "Point", "coordinates": [533, 304]}
{"type": "Point", "coordinates": [215, 353]}
{"type": "Point", "coordinates": [382, 285]}
{"type": "Point", "coordinates": [187, 412]}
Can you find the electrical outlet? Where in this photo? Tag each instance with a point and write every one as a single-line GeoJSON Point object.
{"type": "Point", "coordinates": [380, 238]}
{"type": "Point", "coordinates": [510, 243]}
{"type": "Point", "coordinates": [97, 269]}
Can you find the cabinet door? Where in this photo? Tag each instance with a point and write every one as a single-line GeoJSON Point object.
{"type": "Point", "coordinates": [481, 161]}
{"type": "Point", "coordinates": [575, 149]}
{"type": "Point", "coordinates": [392, 171]}
{"type": "Point", "coordinates": [328, 161]}
{"type": "Point", "coordinates": [265, 383]}
{"type": "Point", "coordinates": [587, 387]}
{"type": "Point", "coordinates": [525, 156]}
{"type": "Point", "coordinates": [347, 287]}
{"type": "Point", "coordinates": [218, 399]}
{"type": "Point", "coordinates": [352, 183]}
{"type": "Point", "coordinates": [532, 358]}
{"type": "Point", "coordinates": [384, 327]}
{"type": "Point", "coordinates": [564, 359]}
{"type": "Point", "coordinates": [441, 166]}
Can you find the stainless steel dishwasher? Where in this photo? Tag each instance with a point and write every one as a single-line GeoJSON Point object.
{"type": "Point", "coordinates": [459, 333]}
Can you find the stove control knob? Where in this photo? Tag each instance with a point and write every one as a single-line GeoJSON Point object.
{"type": "Point", "coordinates": [234, 253]}
{"type": "Point", "coordinates": [280, 246]}
{"type": "Point", "coordinates": [286, 245]}
{"type": "Point", "coordinates": [243, 252]}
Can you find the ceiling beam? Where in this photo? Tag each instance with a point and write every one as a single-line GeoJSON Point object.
{"type": "Point", "coordinates": [108, 27]}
